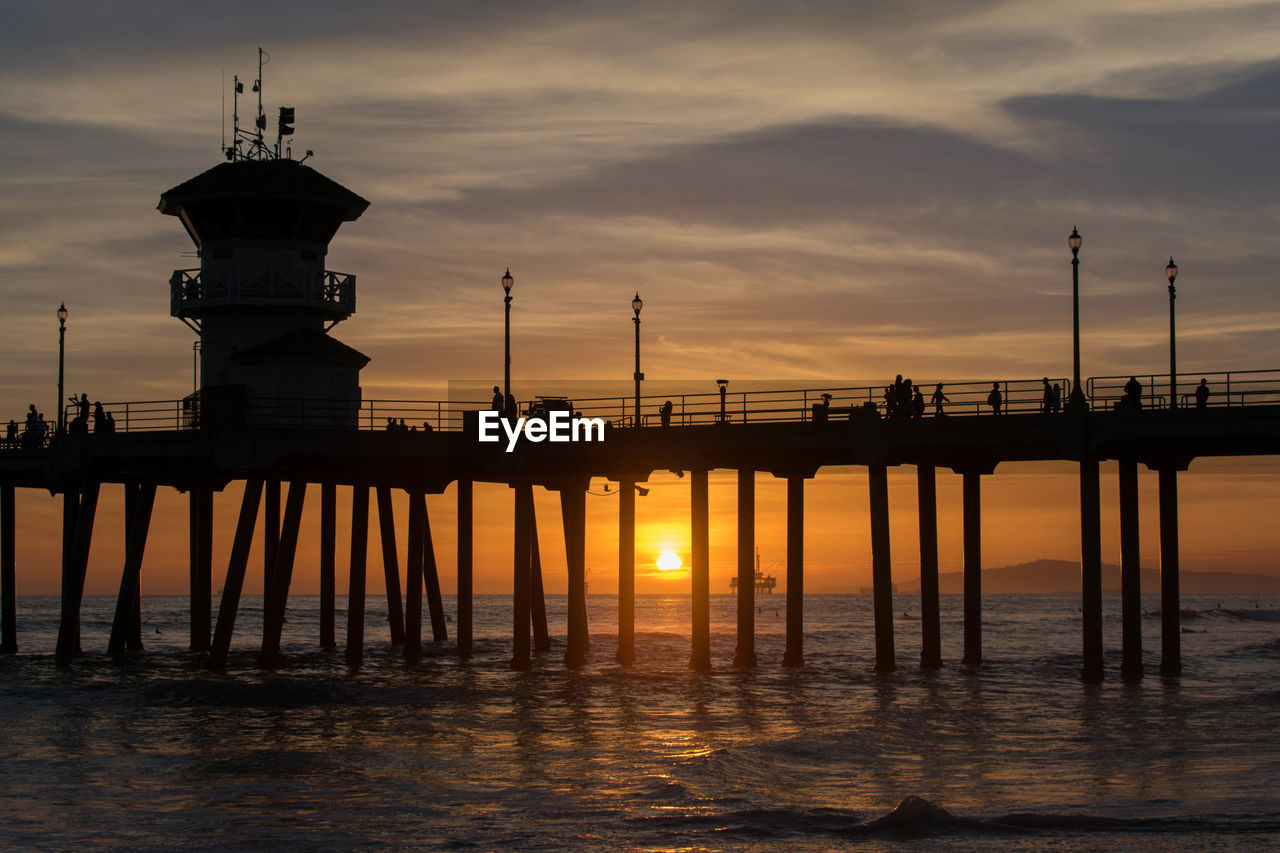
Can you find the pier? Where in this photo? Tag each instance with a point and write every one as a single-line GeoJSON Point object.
{"type": "Point", "coordinates": [280, 409]}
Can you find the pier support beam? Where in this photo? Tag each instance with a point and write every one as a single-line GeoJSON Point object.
{"type": "Point", "coordinates": [1170, 603]}
{"type": "Point", "coordinates": [466, 582]}
{"type": "Point", "coordinates": [522, 582]}
{"type": "Point", "coordinates": [8, 573]}
{"type": "Point", "coordinates": [930, 607]}
{"type": "Point", "coordinates": [200, 517]}
{"type": "Point", "coordinates": [328, 563]}
{"type": "Point", "coordinates": [971, 484]}
{"type": "Point", "coordinates": [138, 500]}
{"type": "Point", "coordinates": [74, 565]}
{"type": "Point", "coordinates": [236, 565]}
{"type": "Point", "coordinates": [431, 578]}
{"type": "Point", "coordinates": [1091, 570]}
{"type": "Point", "coordinates": [359, 565]}
{"type": "Point", "coordinates": [793, 655]}
{"type": "Point", "coordinates": [627, 571]}
{"type": "Point", "coordinates": [700, 571]}
{"type": "Point", "coordinates": [573, 511]}
{"type": "Point", "coordinates": [270, 535]}
{"type": "Point", "coordinates": [1130, 572]}
{"type": "Point", "coordinates": [881, 569]}
{"type": "Point", "coordinates": [537, 597]}
{"type": "Point", "coordinates": [282, 575]}
{"type": "Point", "coordinates": [745, 655]}
{"type": "Point", "coordinates": [390, 563]}
{"type": "Point", "coordinates": [412, 637]}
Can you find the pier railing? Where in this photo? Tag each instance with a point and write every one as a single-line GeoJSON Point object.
{"type": "Point", "coordinates": [829, 404]}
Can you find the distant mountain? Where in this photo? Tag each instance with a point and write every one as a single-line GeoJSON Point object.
{"type": "Point", "coordinates": [1043, 577]}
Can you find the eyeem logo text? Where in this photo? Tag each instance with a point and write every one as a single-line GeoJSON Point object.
{"type": "Point", "coordinates": [558, 426]}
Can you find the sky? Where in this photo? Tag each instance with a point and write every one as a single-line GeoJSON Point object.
{"type": "Point", "coordinates": [811, 192]}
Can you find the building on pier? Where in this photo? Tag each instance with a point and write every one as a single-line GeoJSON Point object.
{"type": "Point", "coordinates": [261, 300]}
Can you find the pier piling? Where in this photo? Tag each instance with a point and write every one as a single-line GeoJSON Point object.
{"type": "Point", "coordinates": [8, 573]}
{"type": "Point", "coordinates": [431, 579]}
{"type": "Point", "coordinates": [522, 569]}
{"type": "Point", "coordinates": [200, 500]}
{"type": "Point", "coordinates": [793, 655]}
{"type": "Point", "coordinates": [700, 571]}
{"type": "Point", "coordinates": [74, 567]}
{"type": "Point", "coordinates": [881, 568]}
{"type": "Point", "coordinates": [412, 636]}
{"type": "Point", "coordinates": [139, 498]}
{"type": "Point", "coordinates": [465, 572]}
{"type": "Point", "coordinates": [745, 655]}
{"type": "Point", "coordinates": [1170, 603]}
{"type": "Point", "coordinates": [971, 485]}
{"type": "Point", "coordinates": [270, 533]}
{"type": "Point", "coordinates": [930, 616]}
{"type": "Point", "coordinates": [390, 563]}
{"type": "Point", "coordinates": [1091, 570]}
{"type": "Point", "coordinates": [359, 564]}
{"type": "Point", "coordinates": [537, 597]}
{"type": "Point", "coordinates": [573, 510]}
{"type": "Point", "coordinates": [1130, 572]}
{"type": "Point", "coordinates": [282, 574]}
{"type": "Point", "coordinates": [627, 571]}
{"type": "Point", "coordinates": [328, 548]}
{"type": "Point", "coordinates": [236, 566]}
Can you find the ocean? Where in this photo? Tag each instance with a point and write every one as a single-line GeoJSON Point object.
{"type": "Point", "coordinates": [155, 751]}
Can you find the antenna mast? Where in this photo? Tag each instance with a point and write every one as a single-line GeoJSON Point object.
{"type": "Point", "coordinates": [254, 141]}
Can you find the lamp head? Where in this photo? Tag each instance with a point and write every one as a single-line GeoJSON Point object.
{"type": "Point", "coordinates": [637, 304]}
{"type": "Point", "coordinates": [723, 383]}
{"type": "Point", "coordinates": [62, 313]}
{"type": "Point", "coordinates": [507, 281]}
{"type": "Point", "coordinates": [1171, 271]}
{"type": "Point", "coordinates": [1074, 240]}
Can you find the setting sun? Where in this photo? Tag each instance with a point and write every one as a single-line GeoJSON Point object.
{"type": "Point", "coordinates": [668, 561]}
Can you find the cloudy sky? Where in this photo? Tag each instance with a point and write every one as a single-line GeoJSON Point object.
{"type": "Point", "coordinates": [800, 191]}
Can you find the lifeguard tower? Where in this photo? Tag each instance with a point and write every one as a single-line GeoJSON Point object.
{"type": "Point", "coordinates": [261, 300]}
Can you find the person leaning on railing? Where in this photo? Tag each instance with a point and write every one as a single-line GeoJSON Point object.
{"type": "Point", "coordinates": [1202, 394]}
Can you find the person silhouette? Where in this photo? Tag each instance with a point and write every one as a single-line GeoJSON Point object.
{"type": "Point", "coordinates": [1133, 393]}
{"type": "Point", "coordinates": [1046, 403]}
{"type": "Point", "coordinates": [509, 409]}
{"type": "Point", "coordinates": [994, 399]}
{"type": "Point", "coordinates": [1202, 394]}
{"type": "Point", "coordinates": [1057, 399]}
{"type": "Point", "coordinates": [664, 413]}
{"type": "Point", "coordinates": [497, 399]}
{"type": "Point", "coordinates": [99, 417]}
{"type": "Point", "coordinates": [11, 434]}
{"type": "Point", "coordinates": [938, 399]}
{"type": "Point", "coordinates": [917, 403]}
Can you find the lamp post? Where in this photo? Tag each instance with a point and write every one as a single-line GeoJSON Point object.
{"type": "Point", "coordinates": [1171, 273]}
{"type": "Point", "coordinates": [1076, 399]}
{"type": "Point", "coordinates": [636, 305]}
{"type": "Point", "coordinates": [62, 349]}
{"type": "Point", "coordinates": [507, 281]}
{"type": "Point", "coordinates": [724, 389]}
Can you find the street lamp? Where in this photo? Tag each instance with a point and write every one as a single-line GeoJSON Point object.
{"type": "Point", "coordinates": [1171, 272]}
{"type": "Point", "coordinates": [62, 349]}
{"type": "Point", "coordinates": [1076, 399]}
{"type": "Point", "coordinates": [724, 389]}
{"type": "Point", "coordinates": [636, 305]}
{"type": "Point", "coordinates": [507, 281]}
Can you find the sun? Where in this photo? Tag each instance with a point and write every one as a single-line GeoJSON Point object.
{"type": "Point", "coordinates": [669, 561]}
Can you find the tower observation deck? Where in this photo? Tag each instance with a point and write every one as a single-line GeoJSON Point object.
{"type": "Point", "coordinates": [261, 300]}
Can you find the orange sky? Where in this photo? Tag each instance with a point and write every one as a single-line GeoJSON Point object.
{"type": "Point", "coordinates": [1026, 512]}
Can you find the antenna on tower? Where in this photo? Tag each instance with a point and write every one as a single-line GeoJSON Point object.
{"type": "Point", "coordinates": [254, 140]}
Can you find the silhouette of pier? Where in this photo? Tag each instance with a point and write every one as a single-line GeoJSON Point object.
{"type": "Point", "coordinates": [279, 408]}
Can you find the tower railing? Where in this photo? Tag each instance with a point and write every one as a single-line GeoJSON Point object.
{"type": "Point", "coordinates": [191, 290]}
